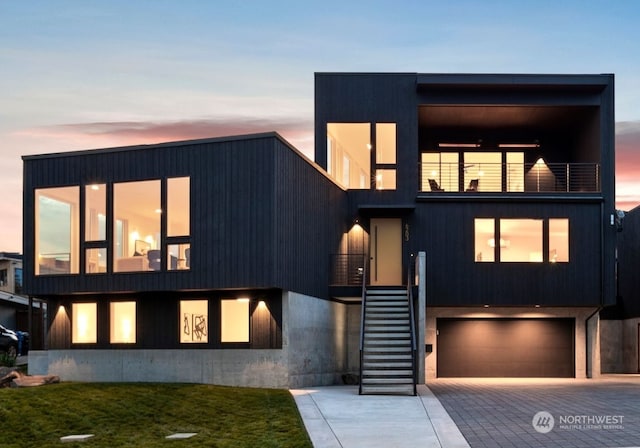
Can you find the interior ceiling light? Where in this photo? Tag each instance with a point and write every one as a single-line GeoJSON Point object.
{"type": "Point", "coordinates": [519, 145]}
{"type": "Point", "coordinates": [458, 145]}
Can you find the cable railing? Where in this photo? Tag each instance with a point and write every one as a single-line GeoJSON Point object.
{"type": "Point", "coordinates": [346, 269]}
{"type": "Point", "coordinates": [538, 177]}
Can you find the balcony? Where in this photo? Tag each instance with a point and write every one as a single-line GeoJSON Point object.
{"type": "Point", "coordinates": [538, 177]}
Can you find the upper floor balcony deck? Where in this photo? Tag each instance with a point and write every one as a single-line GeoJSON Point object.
{"type": "Point", "coordinates": [537, 177]}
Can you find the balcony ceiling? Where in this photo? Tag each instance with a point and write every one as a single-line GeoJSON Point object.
{"type": "Point", "coordinates": [504, 117]}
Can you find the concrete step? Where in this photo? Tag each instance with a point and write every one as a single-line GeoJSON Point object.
{"type": "Point", "coordinates": [370, 357]}
{"type": "Point", "coordinates": [386, 321]}
{"type": "Point", "coordinates": [386, 373]}
{"type": "Point", "coordinates": [387, 334]}
{"type": "Point", "coordinates": [386, 364]}
{"type": "Point", "coordinates": [388, 390]}
{"type": "Point", "coordinates": [387, 342]}
{"type": "Point", "coordinates": [377, 349]}
{"type": "Point", "coordinates": [387, 309]}
{"type": "Point", "coordinates": [386, 381]}
{"type": "Point", "coordinates": [390, 326]}
{"type": "Point", "coordinates": [388, 291]}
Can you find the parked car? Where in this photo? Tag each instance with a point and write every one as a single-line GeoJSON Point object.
{"type": "Point", "coordinates": [8, 341]}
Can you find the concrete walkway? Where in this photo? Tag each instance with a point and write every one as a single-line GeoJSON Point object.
{"type": "Point", "coordinates": [336, 416]}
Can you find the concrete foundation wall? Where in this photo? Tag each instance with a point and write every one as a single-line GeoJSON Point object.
{"type": "Point", "coordinates": [580, 315]}
{"type": "Point", "coordinates": [619, 346]}
{"type": "Point", "coordinates": [253, 368]}
{"type": "Point", "coordinates": [320, 343]}
{"type": "Point", "coordinates": [318, 338]}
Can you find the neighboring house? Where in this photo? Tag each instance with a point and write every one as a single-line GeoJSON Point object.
{"type": "Point", "coordinates": [238, 261]}
{"type": "Point", "coordinates": [11, 301]}
{"type": "Point", "coordinates": [621, 324]}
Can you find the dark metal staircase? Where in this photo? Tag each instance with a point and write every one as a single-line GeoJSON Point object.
{"type": "Point", "coordinates": [387, 352]}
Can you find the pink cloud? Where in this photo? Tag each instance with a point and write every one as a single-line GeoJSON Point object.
{"type": "Point", "coordinates": [627, 165]}
{"type": "Point", "coordinates": [101, 134]}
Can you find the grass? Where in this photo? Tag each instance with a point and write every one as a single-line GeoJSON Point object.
{"type": "Point", "coordinates": [142, 415]}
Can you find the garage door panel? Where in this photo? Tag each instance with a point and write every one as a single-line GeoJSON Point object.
{"type": "Point", "coordinates": [505, 347]}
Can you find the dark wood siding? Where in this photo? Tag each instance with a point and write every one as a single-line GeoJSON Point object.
{"type": "Point", "coordinates": [628, 278]}
{"type": "Point", "coordinates": [454, 278]}
{"type": "Point", "coordinates": [256, 205]}
{"type": "Point", "coordinates": [505, 348]}
{"type": "Point", "coordinates": [158, 319]}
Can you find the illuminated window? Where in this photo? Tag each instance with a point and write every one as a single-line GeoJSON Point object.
{"type": "Point", "coordinates": [95, 212]}
{"type": "Point", "coordinates": [440, 171]}
{"type": "Point", "coordinates": [57, 230]}
{"type": "Point", "coordinates": [520, 240]}
{"type": "Point", "coordinates": [96, 261]}
{"type": "Point", "coordinates": [484, 170]}
{"type": "Point", "coordinates": [515, 171]}
{"type": "Point", "coordinates": [386, 143]}
{"type": "Point", "coordinates": [385, 179]}
{"type": "Point", "coordinates": [349, 154]}
{"type": "Point", "coordinates": [84, 323]}
{"type": "Point", "coordinates": [558, 240]}
{"type": "Point", "coordinates": [178, 206]}
{"type": "Point", "coordinates": [234, 320]}
{"type": "Point", "coordinates": [194, 321]}
{"type": "Point", "coordinates": [123, 322]}
{"type": "Point", "coordinates": [484, 239]}
{"type": "Point", "coordinates": [137, 214]}
{"type": "Point", "coordinates": [179, 257]}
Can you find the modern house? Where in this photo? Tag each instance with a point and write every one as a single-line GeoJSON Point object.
{"type": "Point", "coordinates": [452, 225]}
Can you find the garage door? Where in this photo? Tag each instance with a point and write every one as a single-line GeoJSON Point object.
{"type": "Point", "coordinates": [505, 347]}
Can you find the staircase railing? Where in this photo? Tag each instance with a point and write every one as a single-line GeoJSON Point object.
{"type": "Point", "coordinates": [362, 315]}
{"type": "Point", "coordinates": [414, 354]}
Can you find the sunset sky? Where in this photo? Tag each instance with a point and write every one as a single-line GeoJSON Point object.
{"type": "Point", "coordinates": [92, 74]}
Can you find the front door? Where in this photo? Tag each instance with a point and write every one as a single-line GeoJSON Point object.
{"type": "Point", "coordinates": [386, 252]}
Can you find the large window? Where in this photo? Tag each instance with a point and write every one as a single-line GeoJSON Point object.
{"type": "Point", "coordinates": [234, 320]}
{"type": "Point", "coordinates": [482, 171]}
{"type": "Point", "coordinates": [349, 154]}
{"type": "Point", "coordinates": [56, 230]}
{"type": "Point", "coordinates": [521, 240]}
{"type": "Point", "coordinates": [84, 327]}
{"type": "Point", "coordinates": [137, 214]}
{"type": "Point", "coordinates": [440, 171]}
{"type": "Point", "coordinates": [123, 323]}
{"type": "Point", "coordinates": [194, 321]}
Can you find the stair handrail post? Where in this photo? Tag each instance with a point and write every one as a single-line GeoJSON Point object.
{"type": "Point", "coordinates": [362, 315]}
{"type": "Point", "coordinates": [412, 325]}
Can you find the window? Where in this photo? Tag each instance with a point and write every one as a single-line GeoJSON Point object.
{"type": "Point", "coordinates": [3, 277]}
{"type": "Point", "coordinates": [520, 240]}
{"type": "Point", "coordinates": [56, 230]}
{"type": "Point", "coordinates": [96, 260]}
{"type": "Point", "coordinates": [440, 171]}
{"type": "Point", "coordinates": [484, 239]}
{"type": "Point", "coordinates": [515, 171]}
{"type": "Point", "coordinates": [84, 327]}
{"type": "Point", "coordinates": [194, 321]}
{"type": "Point", "coordinates": [178, 206]}
{"type": "Point", "coordinates": [558, 240]}
{"type": "Point", "coordinates": [484, 170]}
{"type": "Point", "coordinates": [137, 214]}
{"type": "Point", "coordinates": [18, 281]}
{"type": "Point", "coordinates": [179, 257]}
{"type": "Point", "coordinates": [234, 320]}
{"type": "Point", "coordinates": [95, 227]}
{"type": "Point", "coordinates": [349, 154]}
{"type": "Point", "coordinates": [123, 323]}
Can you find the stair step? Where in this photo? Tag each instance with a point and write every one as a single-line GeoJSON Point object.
{"type": "Point", "coordinates": [400, 373]}
{"type": "Point", "coordinates": [388, 390]}
{"type": "Point", "coordinates": [383, 321]}
{"type": "Point", "coordinates": [386, 364]}
{"type": "Point", "coordinates": [387, 341]}
{"type": "Point", "coordinates": [388, 309]}
{"type": "Point", "coordinates": [393, 291]}
{"type": "Point", "coordinates": [387, 326]}
{"type": "Point", "coordinates": [387, 334]}
{"type": "Point", "coordinates": [370, 357]}
{"type": "Point", "coordinates": [376, 349]}
{"type": "Point", "coordinates": [386, 381]}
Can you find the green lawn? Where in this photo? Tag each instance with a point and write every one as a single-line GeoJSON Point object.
{"type": "Point", "coordinates": [142, 415]}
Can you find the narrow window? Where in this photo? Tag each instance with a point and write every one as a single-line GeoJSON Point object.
{"type": "Point", "coordinates": [123, 322]}
{"type": "Point", "coordinates": [83, 323]}
{"type": "Point", "coordinates": [96, 260]}
{"type": "Point", "coordinates": [95, 213]}
{"type": "Point", "coordinates": [349, 151]}
{"type": "Point", "coordinates": [558, 240]}
{"type": "Point", "coordinates": [178, 206]}
{"type": "Point", "coordinates": [194, 321]}
{"type": "Point", "coordinates": [485, 240]}
{"type": "Point", "coordinates": [234, 320]}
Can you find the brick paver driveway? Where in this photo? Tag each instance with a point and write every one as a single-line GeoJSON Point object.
{"type": "Point", "coordinates": [578, 413]}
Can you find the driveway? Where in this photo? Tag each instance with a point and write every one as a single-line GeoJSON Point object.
{"type": "Point", "coordinates": [544, 412]}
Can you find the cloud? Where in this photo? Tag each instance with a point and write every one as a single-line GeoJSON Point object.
{"type": "Point", "coordinates": [299, 132]}
{"type": "Point", "coordinates": [627, 164]}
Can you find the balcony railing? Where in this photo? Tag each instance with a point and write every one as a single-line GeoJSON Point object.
{"type": "Point", "coordinates": [536, 177]}
{"type": "Point", "coordinates": [347, 269]}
